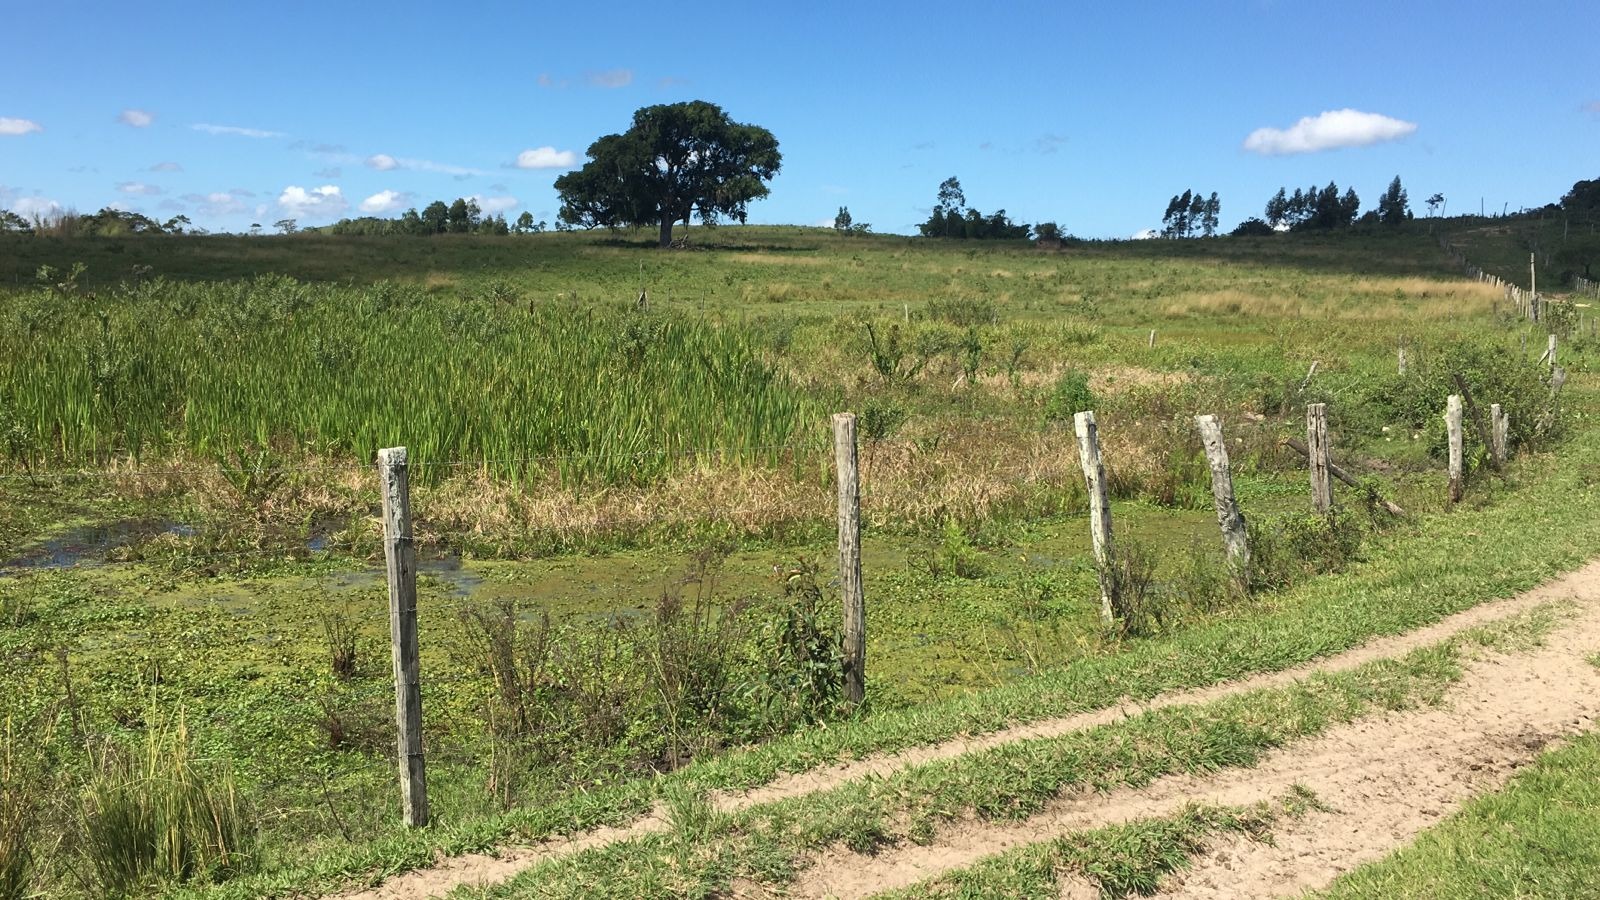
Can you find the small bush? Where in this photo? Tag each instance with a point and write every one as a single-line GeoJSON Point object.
{"type": "Point", "coordinates": [955, 556]}
{"type": "Point", "coordinates": [1068, 396]}
{"type": "Point", "coordinates": [881, 418]}
{"type": "Point", "coordinates": [964, 312]}
{"type": "Point", "coordinates": [1139, 610]}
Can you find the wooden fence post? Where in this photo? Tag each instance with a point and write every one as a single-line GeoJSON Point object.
{"type": "Point", "coordinates": [1229, 519]}
{"type": "Point", "coordinates": [855, 605]}
{"type": "Point", "coordinates": [1094, 478]}
{"type": "Point", "coordinates": [1499, 424]}
{"type": "Point", "coordinates": [1317, 454]}
{"type": "Point", "coordinates": [1402, 360]}
{"type": "Point", "coordinates": [1452, 424]}
{"type": "Point", "coordinates": [1152, 338]}
{"type": "Point", "coordinates": [1550, 351]}
{"type": "Point", "coordinates": [400, 557]}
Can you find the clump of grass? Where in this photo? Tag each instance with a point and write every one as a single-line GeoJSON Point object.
{"type": "Point", "coordinates": [150, 814]}
{"type": "Point", "coordinates": [19, 809]}
{"type": "Point", "coordinates": [340, 633]}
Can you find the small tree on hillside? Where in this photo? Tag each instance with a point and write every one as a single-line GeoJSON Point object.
{"type": "Point", "coordinates": [841, 221]}
{"type": "Point", "coordinates": [1393, 208]}
{"type": "Point", "coordinates": [286, 226]}
{"type": "Point", "coordinates": [1435, 203]}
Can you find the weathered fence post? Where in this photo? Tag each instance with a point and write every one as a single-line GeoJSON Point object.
{"type": "Point", "coordinates": [1310, 373]}
{"type": "Point", "coordinates": [1550, 351]}
{"type": "Point", "coordinates": [400, 557]}
{"type": "Point", "coordinates": [1317, 455]}
{"type": "Point", "coordinates": [1452, 424]}
{"type": "Point", "coordinates": [1229, 519]}
{"type": "Point", "coordinates": [1094, 478]}
{"type": "Point", "coordinates": [855, 605]}
{"type": "Point", "coordinates": [1402, 360]}
{"type": "Point", "coordinates": [1152, 338]}
{"type": "Point", "coordinates": [1499, 425]}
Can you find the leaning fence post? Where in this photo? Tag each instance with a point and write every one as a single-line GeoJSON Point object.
{"type": "Point", "coordinates": [855, 606]}
{"type": "Point", "coordinates": [1452, 424]}
{"type": "Point", "coordinates": [1229, 519]}
{"type": "Point", "coordinates": [1152, 337]}
{"type": "Point", "coordinates": [1094, 477]}
{"type": "Point", "coordinates": [400, 557]}
{"type": "Point", "coordinates": [1499, 424]}
{"type": "Point", "coordinates": [1317, 455]}
{"type": "Point", "coordinates": [1550, 351]}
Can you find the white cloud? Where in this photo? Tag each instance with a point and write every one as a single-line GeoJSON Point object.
{"type": "Point", "coordinates": [135, 187]}
{"type": "Point", "coordinates": [136, 118]}
{"type": "Point", "coordinates": [492, 205]}
{"type": "Point", "coordinates": [383, 162]}
{"type": "Point", "coordinates": [1145, 235]}
{"type": "Point", "coordinates": [166, 167]}
{"type": "Point", "coordinates": [385, 201]}
{"type": "Point", "coordinates": [320, 202]}
{"type": "Point", "coordinates": [219, 203]}
{"type": "Point", "coordinates": [546, 158]}
{"type": "Point", "coordinates": [1328, 131]}
{"type": "Point", "coordinates": [610, 78]}
{"type": "Point", "coordinates": [31, 208]}
{"type": "Point", "coordinates": [237, 131]}
{"type": "Point", "coordinates": [18, 126]}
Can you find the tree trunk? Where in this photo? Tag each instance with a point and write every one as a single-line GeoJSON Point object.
{"type": "Point", "coordinates": [666, 231]}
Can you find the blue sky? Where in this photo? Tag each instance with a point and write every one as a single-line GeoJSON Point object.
{"type": "Point", "coordinates": [1092, 115]}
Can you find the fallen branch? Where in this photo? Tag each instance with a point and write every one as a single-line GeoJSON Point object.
{"type": "Point", "coordinates": [1299, 446]}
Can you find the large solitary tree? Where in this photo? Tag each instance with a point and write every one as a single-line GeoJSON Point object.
{"type": "Point", "coordinates": [677, 160]}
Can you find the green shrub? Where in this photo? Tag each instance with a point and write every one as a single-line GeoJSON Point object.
{"type": "Point", "coordinates": [1068, 396]}
{"type": "Point", "coordinates": [964, 312]}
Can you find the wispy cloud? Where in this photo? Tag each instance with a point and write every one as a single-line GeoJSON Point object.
{"type": "Point", "coordinates": [546, 158]}
{"type": "Point", "coordinates": [18, 126]}
{"type": "Point", "coordinates": [383, 162]}
{"type": "Point", "coordinates": [220, 203]}
{"type": "Point", "coordinates": [237, 131]}
{"type": "Point", "coordinates": [136, 118]}
{"type": "Point", "coordinates": [1328, 131]}
{"type": "Point", "coordinates": [166, 167]}
{"type": "Point", "coordinates": [672, 81]}
{"type": "Point", "coordinates": [609, 78]}
{"type": "Point", "coordinates": [1592, 107]}
{"type": "Point", "coordinates": [319, 202]}
{"type": "Point", "coordinates": [140, 188]}
{"type": "Point", "coordinates": [385, 201]}
{"type": "Point", "coordinates": [1049, 142]}
{"type": "Point", "coordinates": [329, 172]}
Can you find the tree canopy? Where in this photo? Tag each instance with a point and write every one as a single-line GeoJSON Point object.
{"type": "Point", "coordinates": [1315, 208]}
{"type": "Point", "coordinates": [1190, 214]}
{"type": "Point", "coordinates": [677, 160]}
{"type": "Point", "coordinates": [1393, 206]}
{"type": "Point", "coordinates": [952, 218]}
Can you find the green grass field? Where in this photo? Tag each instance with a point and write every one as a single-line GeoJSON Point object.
{"type": "Point", "coordinates": [624, 508]}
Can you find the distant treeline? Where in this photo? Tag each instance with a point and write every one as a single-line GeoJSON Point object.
{"type": "Point", "coordinates": [107, 222]}
{"type": "Point", "coordinates": [463, 216]}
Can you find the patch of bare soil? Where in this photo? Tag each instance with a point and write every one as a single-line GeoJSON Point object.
{"type": "Point", "coordinates": [1384, 780]}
